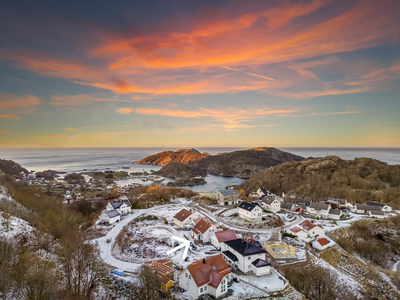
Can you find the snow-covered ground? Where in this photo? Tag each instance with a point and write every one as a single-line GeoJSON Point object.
{"type": "Point", "coordinates": [396, 267]}
{"type": "Point", "coordinates": [11, 227]}
{"type": "Point", "coordinates": [272, 282]}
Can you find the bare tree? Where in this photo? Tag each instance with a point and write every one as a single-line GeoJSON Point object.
{"type": "Point", "coordinates": [149, 284]}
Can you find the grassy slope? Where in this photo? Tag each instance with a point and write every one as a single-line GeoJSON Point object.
{"type": "Point", "coordinates": [357, 180]}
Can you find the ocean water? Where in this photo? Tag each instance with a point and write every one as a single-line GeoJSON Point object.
{"type": "Point", "coordinates": [80, 159]}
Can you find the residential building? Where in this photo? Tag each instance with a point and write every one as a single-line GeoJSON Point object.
{"type": "Point", "coordinates": [163, 269]}
{"type": "Point", "coordinates": [109, 216]}
{"type": "Point", "coordinates": [270, 203]}
{"type": "Point", "coordinates": [308, 231]}
{"type": "Point", "coordinates": [320, 244]}
{"type": "Point", "coordinates": [240, 254]}
{"type": "Point", "coordinates": [306, 201]}
{"type": "Point", "coordinates": [227, 197]}
{"type": "Point", "coordinates": [206, 276]}
{"type": "Point", "coordinates": [250, 211]}
{"type": "Point", "coordinates": [123, 207]}
{"type": "Point", "coordinates": [384, 207]}
{"type": "Point", "coordinates": [335, 214]}
{"type": "Point", "coordinates": [288, 206]}
{"type": "Point", "coordinates": [202, 231]}
{"type": "Point", "coordinates": [184, 217]}
{"type": "Point", "coordinates": [319, 209]}
{"type": "Point", "coordinates": [280, 251]}
{"type": "Point", "coordinates": [365, 208]}
{"type": "Point", "coordinates": [219, 237]}
{"type": "Point", "coordinates": [336, 202]}
{"type": "Point", "coordinates": [377, 214]}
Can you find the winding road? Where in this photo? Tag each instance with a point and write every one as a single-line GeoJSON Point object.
{"type": "Point", "coordinates": [105, 248]}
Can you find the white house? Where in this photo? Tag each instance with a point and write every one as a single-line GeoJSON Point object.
{"type": "Point", "coordinates": [219, 237]}
{"type": "Point", "coordinates": [184, 217]}
{"type": "Point", "coordinates": [365, 208]}
{"type": "Point", "coordinates": [270, 203]}
{"type": "Point", "coordinates": [123, 207]}
{"type": "Point", "coordinates": [382, 206]}
{"type": "Point", "coordinates": [227, 197]}
{"type": "Point", "coordinates": [376, 214]}
{"type": "Point", "coordinates": [320, 244]}
{"type": "Point", "coordinates": [260, 267]}
{"type": "Point", "coordinates": [109, 216]}
{"type": "Point", "coordinates": [202, 231]}
{"type": "Point", "coordinates": [206, 276]}
{"type": "Point", "coordinates": [335, 214]}
{"type": "Point", "coordinates": [319, 209]}
{"type": "Point", "coordinates": [250, 211]}
{"type": "Point", "coordinates": [308, 231]}
{"type": "Point", "coordinates": [288, 206]}
{"type": "Point", "coordinates": [240, 254]}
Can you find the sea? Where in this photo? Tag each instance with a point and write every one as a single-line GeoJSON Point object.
{"type": "Point", "coordinates": [120, 159]}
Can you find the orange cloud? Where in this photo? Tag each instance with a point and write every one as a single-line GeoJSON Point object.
{"type": "Point", "coordinates": [13, 101]}
{"type": "Point", "coordinates": [9, 116]}
{"type": "Point", "coordinates": [251, 49]}
{"type": "Point", "coordinates": [75, 100]}
{"type": "Point", "coordinates": [71, 129]}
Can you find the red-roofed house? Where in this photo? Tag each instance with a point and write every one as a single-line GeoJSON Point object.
{"type": "Point", "coordinates": [164, 271]}
{"type": "Point", "coordinates": [202, 231]}
{"type": "Point", "coordinates": [321, 244]}
{"type": "Point", "coordinates": [308, 231]}
{"type": "Point", "coordinates": [206, 276]}
{"type": "Point", "coordinates": [184, 217]}
{"type": "Point", "coordinates": [219, 237]}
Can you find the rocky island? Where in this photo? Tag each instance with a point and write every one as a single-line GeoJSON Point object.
{"type": "Point", "coordinates": [188, 163]}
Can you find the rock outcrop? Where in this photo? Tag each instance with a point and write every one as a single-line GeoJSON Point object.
{"type": "Point", "coordinates": [165, 157]}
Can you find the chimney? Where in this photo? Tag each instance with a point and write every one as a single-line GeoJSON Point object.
{"type": "Point", "coordinates": [204, 261]}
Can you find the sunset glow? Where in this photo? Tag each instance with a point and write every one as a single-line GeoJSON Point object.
{"type": "Point", "coordinates": [207, 73]}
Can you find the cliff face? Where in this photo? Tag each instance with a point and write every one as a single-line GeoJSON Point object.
{"type": "Point", "coordinates": [165, 157]}
{"type": "Point", "coordinates": [243, 164]}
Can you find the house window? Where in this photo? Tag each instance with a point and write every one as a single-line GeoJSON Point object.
{"type": "Point", "coordinates": [201, 290]}
{"type": "Point", "coordinates": [249, 258]}
{"type": "Point", "coordinates": [223, 286]}
{"type": "Point", "coordinates": [249, 267]}
{"type": "Point", "coordinates": [190, 276]}
{"type": "Point", "coordinates": [205, 288]}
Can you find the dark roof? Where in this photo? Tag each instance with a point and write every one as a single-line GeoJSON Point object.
{"type": "Point", "coordinates": [267, 199]}
{"type": "Point", "coordinates": [335, 212]}
{"type": "Point", "coordinates": [264, 191]}
{"type": "Point", "coordinates": [117, 204]}
{"type": "Point", "coordinates": [111, 213]}
{"type": "Point", "coordinates": [259, 263]}
{"type": "Point", "coordinates": [377, 213]}
{"type": "Point", "coordinates": [368, 207]}
{"type": "Point", "coordinates": [230, 255]}
{"type": "Point", "coordinates": [375, 203]}
{"type": "Point", "coordinates": [319, 205]}
{"type": "Point", "coordinates": [247, 206]}
{"type": "Point", "coordinates": [244, 248]}
{"type": "Point", "coordinates": [227, 192]}
{"type": "Point", "coordinates": [286, 205]}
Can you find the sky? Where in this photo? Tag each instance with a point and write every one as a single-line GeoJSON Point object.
{"type": "Point", "coordinates": [312, 73]}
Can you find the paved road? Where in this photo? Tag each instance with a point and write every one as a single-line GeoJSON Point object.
{"type": "Point", "coordinates": [297, 221]}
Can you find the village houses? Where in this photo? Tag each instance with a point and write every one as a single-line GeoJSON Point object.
{"type": "Point", "coordinates": [184, 218]}
{"type": "Point", "coordinates": [227, 197]}
{"type": "Point", "coordinates": [219, 237]}
{"type": "Point", "coordinates": [163, 269]}
{"type": "Point", "coordinates": [270, 203]}
{"type": "Point", "coordinates": [319, 209]}
{"type": "Point", "coordinates": [202, 231]}
{"type": "Point", "coordinates": [247, 257]}
{"type": "Point", "coordinates": [123, 207]}
{"type": "Point", "coordinates": [109, 217]}
{"type": "Point", "coordinates": [308, 231]}
{"type": "Point", "coordinates": [206, 276]}
{"type": "Point", "coordinates": [250, 211]}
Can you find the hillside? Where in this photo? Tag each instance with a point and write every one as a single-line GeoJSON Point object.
{"type": "Point", "coordinates": [165, 157]}
{"type": "Point", "coordinates": [178, 169]}
{"type": "Point", "coordinates": [242, 163]}
{"type": "Point", "coordinates": [11, 168]}
{"type": "Point", "coordinates": [357, 180]}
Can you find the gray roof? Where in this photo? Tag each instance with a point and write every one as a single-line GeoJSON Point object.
{"type": "Point", "coordinates": [111, 213]}
{"type": "Point", "coordinates": [247, 206]}
{"type": "Point", "coordinates": [227, 192]}
{"type": "Point", "coordinates": [267, 199]}
{"type": "Point", "coordinates": [117, 204]}
{"type": "Point", "coordinates": [286, 205]}
{"type": "Point", "coordinates": [367, 207]}
{"type": "Point", "coordinates": [375, 203]}
{"type": "Point", "coordinates": [335, 212]}
{"type": "Point", "coordinates": [319, 205]}
{"type": "Point", "coordinates": [377, 213]}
